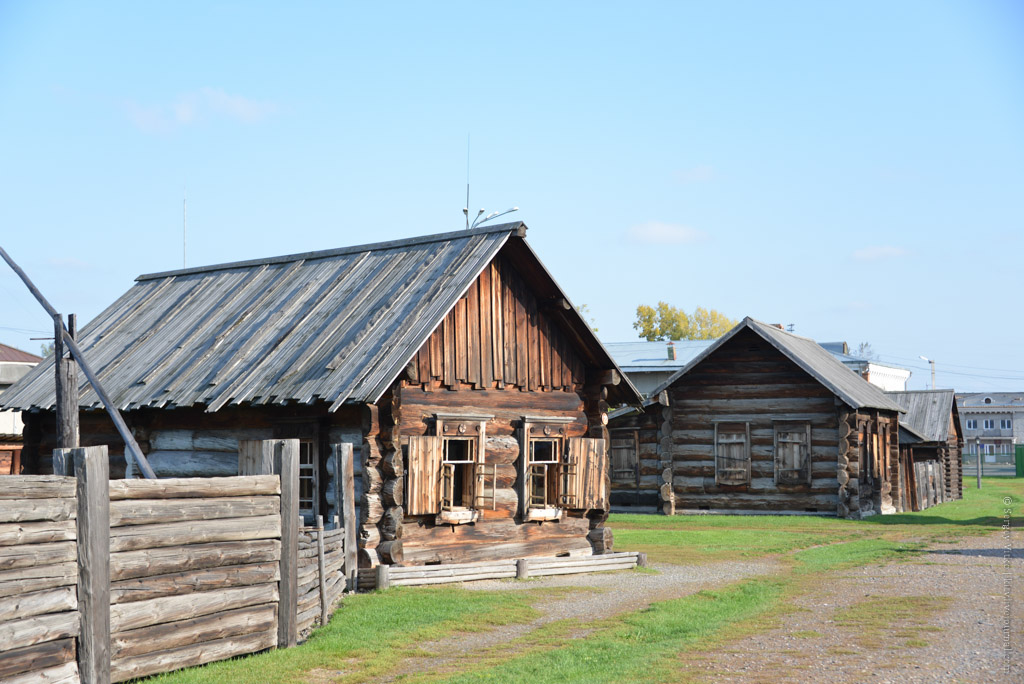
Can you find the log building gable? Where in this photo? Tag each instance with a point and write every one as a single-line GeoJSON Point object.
{"type": "Point", "coordinates": [499, 335]}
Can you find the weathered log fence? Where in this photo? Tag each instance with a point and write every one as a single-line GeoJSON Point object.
{"type": "Point", "coordinates": [105, 581]}
{"type": "Point", "coordinates": [39, 621]}
{"type": "Point", "coordinates": [384, 576]}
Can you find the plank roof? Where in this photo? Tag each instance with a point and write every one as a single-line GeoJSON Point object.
{"type": "Point", "coordinates": [336, 325]}
{"type": "Point", "coordinates": [814, 359]}
{"type": "Point", "coordinates": [928, 412]}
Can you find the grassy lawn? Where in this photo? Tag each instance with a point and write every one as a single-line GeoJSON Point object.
{"type": "Point", "coordinates": [372, 633]}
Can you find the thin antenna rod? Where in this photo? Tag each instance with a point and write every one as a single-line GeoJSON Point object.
{"type": "Point", "coordinates": [467, 181]}
{"type": "Point", "coordinates": [184, 228]}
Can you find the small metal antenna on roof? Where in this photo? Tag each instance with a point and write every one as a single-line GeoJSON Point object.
{"type": "Point", "coordinates": [790, 327]}
{"type": "Point", "coordinates": [465, 209]}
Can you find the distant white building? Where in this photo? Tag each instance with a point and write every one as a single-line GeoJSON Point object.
{"type": "Point", "coordinates": [889, 378]}
{"type": "Point", "coordinates": [649, 364]}
{"type": "Point", "coordinates": [14, 364]}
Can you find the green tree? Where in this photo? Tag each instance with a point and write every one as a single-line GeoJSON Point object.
{"type": "Point", "coordinates": [666, 322]}
{"type": "Point", "coordinates": [585, 313]}
{"type": "Point", "coordinates": [46, 349]}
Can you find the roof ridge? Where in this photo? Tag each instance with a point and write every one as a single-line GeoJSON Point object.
{"type": "Point", "coordinates": [517, 226]}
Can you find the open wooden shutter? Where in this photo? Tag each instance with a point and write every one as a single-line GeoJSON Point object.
{"type": "Point", "coordinates": [423, 463]}
{"type": "Point", "coordinates": [585, 474]}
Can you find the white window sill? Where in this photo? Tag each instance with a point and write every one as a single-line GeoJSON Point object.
{"type": "Point", "coordinates": [457, 516]}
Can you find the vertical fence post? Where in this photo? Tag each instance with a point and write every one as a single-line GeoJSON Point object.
{"type": "Point", "coordinates": [280, 457]}
{"type": "Point", "coordinates": [64, 462]}
{"type": "Point", "coordinates": [383, 576]}
{"type": "Point", "coordinates": [92, 470]}
{"type": "Point", "coordinates": [321, 568]}
{"type": "Point", "coordinates": [345, 478]}
{"type": "Point", "coordinates": [286, 464]}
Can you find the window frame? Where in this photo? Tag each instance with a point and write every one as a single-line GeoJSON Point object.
{"type": "Point", "coordinates": [553, 473]}
{"type": "Point", "coordinates": [472, 428]}
{"type": "Point", "coordinates": [732, 428]}
{"type": "Point", "coordinates": [1005, 423]}
{"type": "Point", "coordinates": [971, 424]}
{"type": "Point", "coordinates": [988, 424]}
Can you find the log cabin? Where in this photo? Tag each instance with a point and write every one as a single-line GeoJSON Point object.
{"type": "Point", "coordinates": [475, 394]}
{"type": "Point", "coordinates": [931, 447]}
{"type": "Point", "coordinates": [761, 421]}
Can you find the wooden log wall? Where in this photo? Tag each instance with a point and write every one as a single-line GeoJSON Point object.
{"type": "Point", "coordinates": [194, 571]}
{"type": "Point", "coordinates": [39, 620]}
{"type": "Point", "coordinates": [748, 381]}
{"type": "Point", "coordinates": [409, 410]}
{"type": "Point", "coordinates": [310, 608]}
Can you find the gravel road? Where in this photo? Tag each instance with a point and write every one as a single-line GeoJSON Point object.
{"type": "Point", "coordinates": [613, 593]}
{"type": "Point", "coordinates": [974, 588]}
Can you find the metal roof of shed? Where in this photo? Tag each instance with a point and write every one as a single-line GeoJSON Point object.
{"type": "Point", "coordinates": [817, 361]}
{"type": "Point", "coordinates": [336, 325]}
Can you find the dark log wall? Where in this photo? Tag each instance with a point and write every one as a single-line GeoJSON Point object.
{"type": "Point", "coordinates": [952, 458]}
{"type": "Point", "coordinates": [643, 489]}
{"type": "Point", "coordinates": [748, 381]}
{"type": "Point", "coordinates": [869, 463]}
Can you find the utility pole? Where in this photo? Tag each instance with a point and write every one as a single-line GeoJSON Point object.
{"type": "Point", "coordinates": [977, 453]}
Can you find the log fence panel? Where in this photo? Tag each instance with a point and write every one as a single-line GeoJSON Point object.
{"type": "Point", "coordinates": [39, 620]}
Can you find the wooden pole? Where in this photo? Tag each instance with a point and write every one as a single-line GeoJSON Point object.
{"type": "Point", "coordinates": [92, 470]}
{"type": "Point", "coordinates": [286, 464]}
{"type": "Point", "coordinates": [321, 570]}
{"type": "Point", "coordinates": [67, 386]}
{"type": "Point", "coordinates": [383, 576]}
{"type": "Point", "coordinates": [347, 510]}
{"type": "Point", "coordinates": [131, 445]}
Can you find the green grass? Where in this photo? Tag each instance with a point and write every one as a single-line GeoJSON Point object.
{"type": "Point", "coordinates": [369, 634]}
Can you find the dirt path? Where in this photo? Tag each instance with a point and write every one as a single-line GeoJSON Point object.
{"type": "Point", "coordinates": [606, 594]}
{"type": "Point", "coordinates": [940, 618]}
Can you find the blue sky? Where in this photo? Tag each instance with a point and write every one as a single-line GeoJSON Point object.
{"type": "Point", "coordinates": [856, 169]}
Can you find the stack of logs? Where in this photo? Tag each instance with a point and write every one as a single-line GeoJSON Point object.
{"type": "Point", "coordinates": [381, 506]}
{"type": "Point", "coordinates": [38, 576]}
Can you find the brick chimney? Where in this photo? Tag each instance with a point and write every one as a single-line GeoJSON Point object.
{"type": "Point", "coordinates": [671, 351]}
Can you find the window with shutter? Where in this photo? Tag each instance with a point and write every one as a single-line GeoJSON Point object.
{"type": "Point", "coordinates": [624, 457]}
{"type": "Point", "coordinates": [792, 453]}
{"type": "Point", "coordinates": [542, 467]}
{"type": "Point", "coordinates": [732, 453]}
{"type": "Point", "coordinates": [463, 473]}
